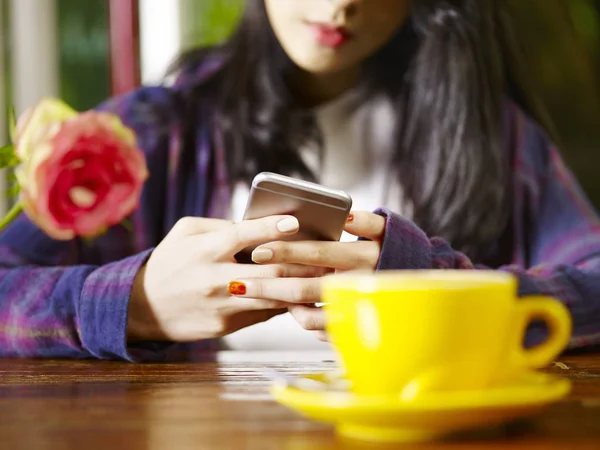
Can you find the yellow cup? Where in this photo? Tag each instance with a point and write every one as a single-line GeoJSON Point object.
{"type": "Point", "coordinates": [408, 332]}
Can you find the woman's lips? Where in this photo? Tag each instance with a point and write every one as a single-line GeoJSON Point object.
{"type": "Point", "coordinates": [330, 35]}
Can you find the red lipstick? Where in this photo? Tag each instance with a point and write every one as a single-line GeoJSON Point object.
{"type": "Point", "coordinates": [329, 35]}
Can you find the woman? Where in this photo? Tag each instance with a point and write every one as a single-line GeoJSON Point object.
{"type": "Point", "coordinates": [402, 103]}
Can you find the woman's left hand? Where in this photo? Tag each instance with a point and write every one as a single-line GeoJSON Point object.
{"type": "Point", "coordinates": [338, 256]}
{"type": "Point", "coordinates": [355, 255]}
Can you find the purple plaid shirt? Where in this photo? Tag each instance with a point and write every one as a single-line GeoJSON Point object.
{"type": "Point", "coordinates": [69, 299]}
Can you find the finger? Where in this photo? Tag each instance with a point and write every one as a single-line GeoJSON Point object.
{"type": "Point", "coordinates": [189, 226]}
{"type": "Point", "coordinates": [366, 225]}
{"type": "Point", "coordinates": [242, 271]}
{"type": "Point", "coordinates": [309, 318]}
{"type": "Point", "coordinates": [250, 233]}
{"type": "Point", "coordinates": [234, 305]}
{"type": "Point", "coordinates": [336, 255]}
{"type": "Point", "coordinates": [291, 290]}
{"type": "Point", "coordinates": [322, 336]}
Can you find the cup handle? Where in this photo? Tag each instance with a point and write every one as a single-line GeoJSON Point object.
{"type": "Point", "coordinates": [558, 320]}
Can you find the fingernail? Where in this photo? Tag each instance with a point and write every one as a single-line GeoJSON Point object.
{"type": "Point", "coordinates": [350, 218]}
{"type": "Point", "coordinates": [236, 288]}
{"type": "Point", "coordinates": [288, 225]}
{"type": "Point", "coordinates": [261, 255]}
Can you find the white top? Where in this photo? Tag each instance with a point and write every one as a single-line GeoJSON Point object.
{"type": "Point", "coordinates": [356, 137]}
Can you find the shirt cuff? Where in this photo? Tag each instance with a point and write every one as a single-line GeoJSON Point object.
{"type": "Point", "coordinates": [104, 306]}
{"type": "Point", "coordinates": [405, 246]}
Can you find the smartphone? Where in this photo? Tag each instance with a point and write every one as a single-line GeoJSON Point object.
{"type": "Point", "coordinates": [321, 211]}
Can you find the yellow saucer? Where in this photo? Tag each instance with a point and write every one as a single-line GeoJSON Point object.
{"type": "Point", "coordinates": [429, 416]}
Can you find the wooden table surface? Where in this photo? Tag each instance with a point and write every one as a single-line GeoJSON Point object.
{"type": "Point", "coordinates": [225, 405]}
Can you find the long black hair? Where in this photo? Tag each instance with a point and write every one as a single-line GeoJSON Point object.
{"type": "Point", "coordinates": [445, 72]}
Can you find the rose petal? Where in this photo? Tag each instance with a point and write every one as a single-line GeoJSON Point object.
{"type": "Point", "coordinates": [36, 122]}
{"type": "Point", "coordinates": [82, 197]}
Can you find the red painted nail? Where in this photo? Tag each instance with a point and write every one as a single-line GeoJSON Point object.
{"type": "Point", "coordinates": [350, 218]}
{"type": "Point", "coordinates": [236, 288]}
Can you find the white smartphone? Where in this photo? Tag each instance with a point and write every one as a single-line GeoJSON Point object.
{"type": "Point", "coordinates": [321, 211]}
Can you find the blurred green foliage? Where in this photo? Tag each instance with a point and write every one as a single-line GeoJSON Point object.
{"type": "Point", "coordinates": [208, 22]}
{"type": "Point", "coordinates": [585, 20]}
{"type": "Point", "coordinates": [561, 43]}
{"type": "Point", "coordinates": [84, 52]}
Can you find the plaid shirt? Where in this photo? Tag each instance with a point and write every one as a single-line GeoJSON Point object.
{"type": "Point", "coordinates": [70, 299]}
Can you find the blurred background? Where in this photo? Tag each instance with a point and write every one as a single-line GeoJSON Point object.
{"type": "Point", "coordinates": [87, 50]}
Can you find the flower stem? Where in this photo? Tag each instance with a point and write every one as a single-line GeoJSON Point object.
{"type": "Point", "coordinates": [11, 215]}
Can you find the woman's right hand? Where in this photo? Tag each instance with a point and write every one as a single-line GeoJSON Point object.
{"type": "Point", "coordinates": [181, 293]}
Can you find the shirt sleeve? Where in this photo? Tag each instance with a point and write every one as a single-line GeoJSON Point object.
{"type": "Point", "coordinates": [69, 299]}
{"type": "Point", "coordinates": [562, 241]}
{"type": "Point", "coordinates": [77, 311]}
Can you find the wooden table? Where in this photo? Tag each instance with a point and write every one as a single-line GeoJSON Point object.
{"type": "Point", "coordinates": [224, 405]}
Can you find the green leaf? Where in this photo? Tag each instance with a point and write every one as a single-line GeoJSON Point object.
{"type": "Point", "coordinates": [8, 157]}
{"type": "Point", "coordinates": [12, 123]}
{"type": "Point", "coordinates": [14, 190]}
{"type": "Point", "coordinates": [11, 215]}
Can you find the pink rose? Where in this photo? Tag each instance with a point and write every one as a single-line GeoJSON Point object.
{"type": "Point", "coordinates": [80, 174]}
